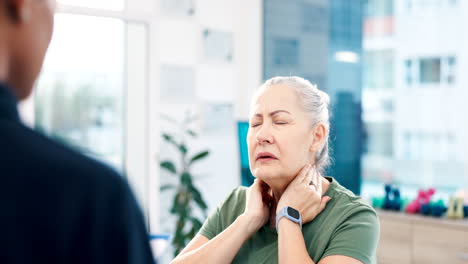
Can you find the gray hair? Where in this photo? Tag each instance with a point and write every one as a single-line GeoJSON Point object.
{"type": "Point", "coordinates": [314, 102]}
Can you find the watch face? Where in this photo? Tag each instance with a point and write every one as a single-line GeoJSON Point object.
{"type": "Point", "coordinates": [293, 212]}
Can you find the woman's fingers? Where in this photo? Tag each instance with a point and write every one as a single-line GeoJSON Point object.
{"type": "Point", "coordinates": [255, 183]}
{"type": "Point", "coordinates": [324, 202]}
{"type": "Point", "coordinates": [311, 179]}
{"type": "Point", "coordinates": [304, 174]}
{"type": "Point", "coordinates": [318, 182]}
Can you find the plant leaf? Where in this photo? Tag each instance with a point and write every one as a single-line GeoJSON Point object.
{"type": "Point", "coordinates": [167, 137]}
{"type": "Point", "coordinates": [191, 133]}
{"type": "Point", "coordinates": [186, 179]}
{"type": "Point", "coordinates": [167, 187]}
{"type": "Point", "coordinates": [170, 139]}
{"type": "Point", "coordinates": [175, 204]}
{"type": "Point", "coordinates": [199, 156]}
{"type": "Point", "coordinates": [179, 205]}
{"type": "Point", "coordinates": [183, 148]}
{"type": "Point", "coordinates": [196, 223]}
{"type": "Point", "coordinates": [168, 165]}
{"type": "Point", "coordinates": [198, 198]}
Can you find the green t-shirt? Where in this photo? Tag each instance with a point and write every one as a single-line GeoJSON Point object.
{"type": "Point", "coordinates": [348, 226]}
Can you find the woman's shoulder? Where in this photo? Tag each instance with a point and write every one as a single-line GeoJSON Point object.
{"type": "Point", "coordinates": [237, 193]}
{"type": "Point", "coordinates": [234, 200]}
{"type": "Point", "coordinates": [229, 209]}
{"type": "Point", "coordinates": [347, 202]}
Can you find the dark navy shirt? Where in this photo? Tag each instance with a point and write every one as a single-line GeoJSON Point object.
{"type": "Point", "coordinates": [58, 206]}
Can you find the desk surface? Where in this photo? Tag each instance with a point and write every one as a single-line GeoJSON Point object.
{"type": "Point", "coordinates": [422, 219]}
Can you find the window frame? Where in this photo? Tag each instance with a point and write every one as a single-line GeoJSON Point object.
{"type": "Point", "coordinates": [144, 173]}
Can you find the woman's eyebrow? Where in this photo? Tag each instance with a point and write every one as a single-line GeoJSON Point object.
{"type": "Point", "coordinates": [279, 111]}
{"type": "Point", "coordinates": [272, 113]}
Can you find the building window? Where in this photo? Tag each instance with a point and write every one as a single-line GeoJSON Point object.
{"type": "Point", "coordinates": [286, 51]}
{"type": "Point", "coordinates": [450, 70]}
{"type": "Point", "coordinates": [408, 72]}
{"type": "Point", "coordinates": [409, 4]}
{"type": "Point", "coordinates": [313, 18]}
{"type": "Point", "coordinates": [379, 139]}
{"type": "Point", "coordinates": [378, 69]}
{"type": "Point", "coordinates": [429, 71]}
{"type": "Point", "coordinates": [379, 8]}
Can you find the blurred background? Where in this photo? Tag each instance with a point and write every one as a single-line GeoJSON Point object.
{"type": "Point", "coordinates": [160, 90]}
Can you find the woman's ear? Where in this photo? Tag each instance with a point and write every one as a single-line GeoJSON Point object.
{"type": "Point", "coordinates": [319, 134]}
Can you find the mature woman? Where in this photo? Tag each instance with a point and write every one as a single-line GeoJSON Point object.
{"type": "Point", "coordinates": [291, 214]}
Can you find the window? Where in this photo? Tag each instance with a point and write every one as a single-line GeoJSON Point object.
{"type": "Point", "coordinates": [378, 70]}
{"type": "Point", "coordinates": [407, 143]}
{"type": "Point", "coordinates": [286, 52]}
{"type": "Point", "coordinates": [450, 70]}
{"type": "Point", "coordinates": [314, 18]}
{"type": "Point", "coordinates": [80, 95]}
{"type": "Point", "coordinates": [438, 70]}
{"type": "Point", "coordinates": [409, 4]}
{"type": "Point", "coordinates": [378, 142]}
{"type": "Point", "coordinates": [376, 8]}
{"type": "Point", "coordinates": [408, 72]}
{"type": "Point", "coordinates": [82, 98]}
{"type": "Point", "coordinates": [429, 70]}
{"type": "Point", "coordinates": [429, 4]}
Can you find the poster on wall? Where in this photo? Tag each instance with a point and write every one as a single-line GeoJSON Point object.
{"type": "Point", "coordinates": [177, 84]}
{"type": "Point", "coordinates": [178, 7]}
{"type": "Point", "coordinates": [217, 119]}
{"type": "Point", "coordinates": [217, 46]}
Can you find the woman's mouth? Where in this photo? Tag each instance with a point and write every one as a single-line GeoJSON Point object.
{"type": "Point", "coordinates": [265, 157]}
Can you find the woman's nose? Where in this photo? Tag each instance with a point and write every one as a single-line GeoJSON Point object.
{"type": "Point", "coordinates": [264, 135]}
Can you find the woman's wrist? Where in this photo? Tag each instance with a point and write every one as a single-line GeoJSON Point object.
{"type": "Point", "coordinates": [280, 207]}
{"type": "Point", "coordinates": [251, 223]}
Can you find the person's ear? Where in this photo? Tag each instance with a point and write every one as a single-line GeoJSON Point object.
{"type": "Point", "coordinates": [319, 134]}
{"type": "Point", "coordinates": [19, 10]}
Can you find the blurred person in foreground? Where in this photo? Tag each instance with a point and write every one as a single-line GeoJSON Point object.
{"type": "Point", "coordinates": [56, 205]}
{"type": "Point", "coordinates": [291, 213]}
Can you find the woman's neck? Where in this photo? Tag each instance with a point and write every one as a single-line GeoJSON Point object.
{"type": "Point", "coordinates": [277, 193]}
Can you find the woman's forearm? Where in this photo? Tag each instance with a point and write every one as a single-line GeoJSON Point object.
{"type": "Point", "coordinates": [291, 245]}
{"type": "Point", "coordinates": [222, 248]}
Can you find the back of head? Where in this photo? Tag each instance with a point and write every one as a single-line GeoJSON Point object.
{"type": "Point", "coordinates": [25, 33]}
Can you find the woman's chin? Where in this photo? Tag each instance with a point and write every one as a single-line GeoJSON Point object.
{"type": "Point", "coordinates": [263, 174]}
{"type": "Point", "coordinates": [270, 178]}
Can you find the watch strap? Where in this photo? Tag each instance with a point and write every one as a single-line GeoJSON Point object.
{"type": "Point", "coordinates": [284, 213]}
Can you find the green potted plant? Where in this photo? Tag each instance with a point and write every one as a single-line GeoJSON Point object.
{"type": "Point", "coordinates": [187, 198]}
